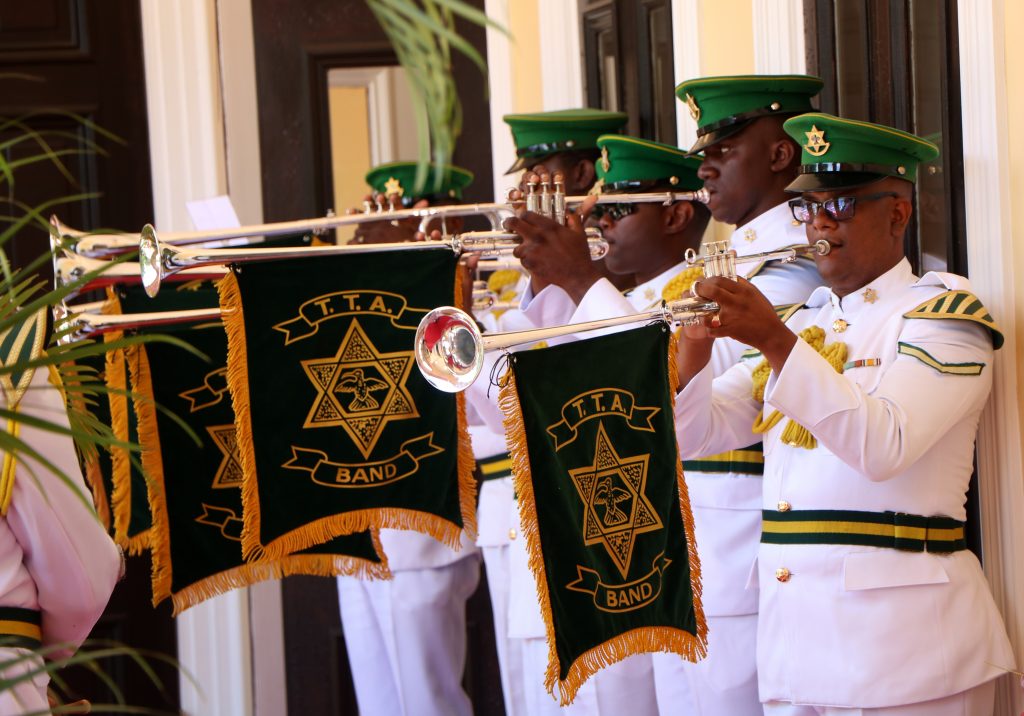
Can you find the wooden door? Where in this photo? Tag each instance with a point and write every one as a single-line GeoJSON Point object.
{"type": "Point", "coordinates": [296, 44]}
{"type": "Point", "coordinates": [62, 59]}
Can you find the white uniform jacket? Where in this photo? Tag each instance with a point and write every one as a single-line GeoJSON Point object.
{"type": "Point", "coordinates": [55, 555]}
{"type": "Point", "coordinates": [727, 544]}
{"type": "Point", "coordinates": [861, 626]}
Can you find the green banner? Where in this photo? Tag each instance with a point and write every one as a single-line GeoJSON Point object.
{"type": "Point", "coordinates": [604, 506]}
{"type": "Point", "coordinates": [195, 493]}
{"type": "Point", "coordinates": [338, 431]}
{"type": "Point", "coordinates": [97, 466]}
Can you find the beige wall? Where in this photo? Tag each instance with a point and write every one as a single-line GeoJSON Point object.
{"type": "Point", "coordinates": [727, 37]}
{"type": "Point", "coordinates": [1015, 148]}
{"type": "Point", "coordinates": [524, 25]}
{"type": "Point", "coordinates": [350, 149]}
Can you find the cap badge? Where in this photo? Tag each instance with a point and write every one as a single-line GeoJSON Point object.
{"type": "Point", "coordinates": [816, 144]}
{"type": "Point", "coordinates": [393, 186]}
{"type": "Point", "coordinates": [597, 188]}
{"type": "Point", "coordinates": [605, 162]}
{"type": "Point", "coordinates": [694, 109]}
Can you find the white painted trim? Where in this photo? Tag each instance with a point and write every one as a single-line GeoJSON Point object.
{"type": "Point", "coordinates": [686, 39]}
{"type": "Point", "coordinates": [990, 254]}
{"type": "Point", "coordinates": [187, 152]}
{"type": "Point", "coordinates": [561, 56]}
{"type": "Point", "coordinates": [779, 47]}
{"type": "Point", "coordinates": [500, 81]}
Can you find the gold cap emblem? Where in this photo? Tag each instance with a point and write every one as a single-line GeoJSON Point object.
{"type": "Point", "coordinates": [694, 109]}
{"type": "Point", "coordinates": [816, 144]}
{"type": "Point", "coordinates": [605, 162]}
{"type": "Point", "coordinates": [597, 188]}
{"type": "Point", "coordinates": [393, 186]}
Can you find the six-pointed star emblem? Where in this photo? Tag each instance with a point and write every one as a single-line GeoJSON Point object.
{"type": "Point", "coordinates": [616, 509]}
{"type": "Point", "coordinates": [360, 389]}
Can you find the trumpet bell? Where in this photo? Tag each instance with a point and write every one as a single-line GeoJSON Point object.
{"type": "Point", "coordinates": [449, 349]}
{"type": "Point", "coordinates": [150, 260]}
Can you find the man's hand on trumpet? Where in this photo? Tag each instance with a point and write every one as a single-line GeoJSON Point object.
{"type": "Point", "coordinates": [745, 315]}
{"type": "Point", "coordinates": [553, 253]}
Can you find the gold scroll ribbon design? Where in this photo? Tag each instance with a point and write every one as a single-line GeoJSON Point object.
{"type": "Point", "coordinates": [375, 473]}
{"type": "Point", "coordinates": [349, 303]}
{"type": "Point", "coordinates": [598, 403]}
{"type": "Point", "coordinates": [624, 597]}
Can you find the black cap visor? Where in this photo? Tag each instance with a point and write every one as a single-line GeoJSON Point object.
{"type": "Point", "coordinates": [832, 181]}
{"type": "Point", "coordinates": [713, 137]}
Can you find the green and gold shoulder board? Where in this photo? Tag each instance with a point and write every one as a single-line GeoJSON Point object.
{"type": "Point", "coordinates": [962, 306]}
{"type": "Point", "coordinates": [20, 343]}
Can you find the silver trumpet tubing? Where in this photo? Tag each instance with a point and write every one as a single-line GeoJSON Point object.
{"type": "Point", "coordinates": [543, 197]}
{"type": "Point", "coordinates": [719, 260]}
{"type": "Point", "coordinates": [450, 347]}
{"type": "Point", "coordinates": [70, 268]}
{"type": "Point", "coordinates": [74, 326]}
{"type": "Point", "coordinates": [157, 260]}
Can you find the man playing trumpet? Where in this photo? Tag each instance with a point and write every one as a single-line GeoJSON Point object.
{"type": "Point", "coordinates": [868, 399]}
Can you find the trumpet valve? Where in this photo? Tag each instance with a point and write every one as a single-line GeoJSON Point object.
{"type": "Point", "coordinates": [532, 198]}
{"type": "Point", "coordinates": [558, 199]}
{"type": "Point", "coordinates": [546, 206]}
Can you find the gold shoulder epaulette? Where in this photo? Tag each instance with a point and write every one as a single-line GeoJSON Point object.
{"type": "Point", "coordinates": [20, 344]}
{"type": "Point", "coordinates": [962, 306]}
{"type": "Point", "coordinates": [786, 312]}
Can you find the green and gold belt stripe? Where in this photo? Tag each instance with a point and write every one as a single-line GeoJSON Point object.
{"type": "Point", "coordinates": [897, 530]}
{"type": "Point", "coordinates": [20, 627]}
{"type": "Point", "coordinates": [492, 468]}
{"type": "Point", "coordinates": [749, 461]}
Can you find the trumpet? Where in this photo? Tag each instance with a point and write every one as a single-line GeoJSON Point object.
{"type": "Point", "coordinates": [74, 325]}
{"type": "Point", "coordinates": [69, 268]}
{"type": "Point", "coordinates": [158, 261]}
{"type": "Point", "coordinates": [450, 348]}
{"type": "Point", "coordinates": [543, 197]}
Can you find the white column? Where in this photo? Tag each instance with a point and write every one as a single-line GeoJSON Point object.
{"type": "Point", "coordinates": [990, 258]}
{"type": "Point", "coordinates": [500, 80]}
{"type": "Point", "coordinates": [186, 134]}
{"type": "Point", "coordinates": [561, 57]}
{"type": "Point", "coordinates": [779, 47]}
{"type": "Point", "coordinates": [686, 39]}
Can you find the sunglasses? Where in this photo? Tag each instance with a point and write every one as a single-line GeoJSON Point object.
{"type": "Point", "coordinates": [841, 208]}
{"type": "Point", "coordinates": [615, 212]}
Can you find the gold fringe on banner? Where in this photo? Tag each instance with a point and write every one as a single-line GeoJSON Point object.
{"type": "Point", "coordinates": [466, 459]}
{"type": "Point", "coordinates": [121, 466]}
{"type": "Point", "coordinates": [325, 528]}
{"type": "Point", "coordinates": [645, 639]}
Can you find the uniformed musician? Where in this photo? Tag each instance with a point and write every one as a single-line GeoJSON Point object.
{"type": "Point", "coordinates": [406, 637]}
{"type": "Point", "coordinates": [748, 161]}
{"type": "Point", "coordinates": [58, 564]}
{"type": "Point", "coordinates": [868, 398]}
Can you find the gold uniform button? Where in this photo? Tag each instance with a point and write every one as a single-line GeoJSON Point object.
{"type": "Point", "coordinates": [782, 574]}
{"type": "Point", "coordinates": [783, 506]}
{"type": "Point", "coordinates": [839, 325]}
{"type": "Point", "coordinates": [511, 534]}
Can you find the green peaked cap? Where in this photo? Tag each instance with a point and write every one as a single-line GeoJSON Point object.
{"type": "Point", "coordinates": [722, 106]}
{"type": "Point", "coordinates": [544, 133]}
{"type": "Point", "coordinates": [628, 162]}
{"type": "Point", "coordinates": [400, 178]}
{"type": "Point", "coordinates": [845, 153]}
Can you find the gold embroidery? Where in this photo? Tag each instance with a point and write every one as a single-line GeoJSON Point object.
{"type": "Point", "coordinates": [229, 472]}
{"type": "Point", "coordinates": [616, 510]}
{"type": "Point", "coordinates": [373, 386]}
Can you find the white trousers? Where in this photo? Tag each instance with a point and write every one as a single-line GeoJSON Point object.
{"type": "Point", "coordinates": [978, 701]}
{"type": "Point", "coordinates": [625, 688]}
{"type": "Point", "coordinates": [406, 639]}
{"type": "Point", "coordinates": [28, 696]}
{"type": "Point", "coordinates": [723, 683]}
{"type": "Point", "coordinates": [510, 656]}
